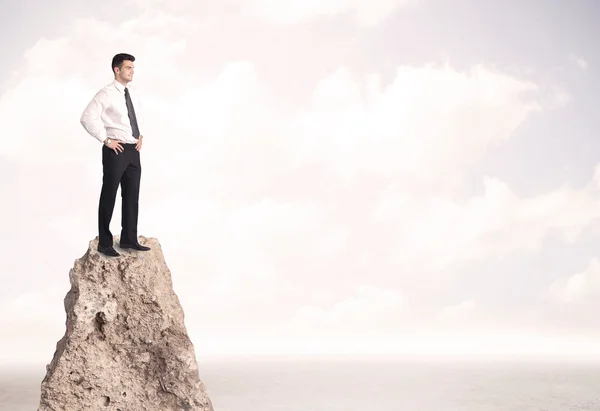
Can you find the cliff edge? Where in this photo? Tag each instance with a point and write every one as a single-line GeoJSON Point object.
{"type": "Point", "coordinates": [125, 347]}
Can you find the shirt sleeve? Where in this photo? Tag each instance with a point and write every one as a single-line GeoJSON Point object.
{"type": "Point", "coordinates": [91, 119]}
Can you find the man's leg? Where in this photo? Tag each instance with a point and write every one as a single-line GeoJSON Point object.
{"type": "Point", "coordinates": [113, 166]}
{"type": "Point", "coordinates": [130, 194]}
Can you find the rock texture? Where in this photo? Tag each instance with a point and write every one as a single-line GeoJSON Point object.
{"type": "Point", "coordinates": [125, 347]}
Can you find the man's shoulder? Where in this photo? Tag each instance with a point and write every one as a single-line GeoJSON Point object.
{"type": "Point", "coordinates": [105, 91]}
{"type": "Point", "coordinates": [108, 87]}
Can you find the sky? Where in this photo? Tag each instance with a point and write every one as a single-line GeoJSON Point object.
{"type": "Point", "coordinates": [324, 177]}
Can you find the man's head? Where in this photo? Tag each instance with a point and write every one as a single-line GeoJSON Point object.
{"type": "Point", "coordinates": [122, 67]}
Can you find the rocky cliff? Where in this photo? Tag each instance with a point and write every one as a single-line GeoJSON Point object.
{"type": "Point", "coordinates": [126, 347]}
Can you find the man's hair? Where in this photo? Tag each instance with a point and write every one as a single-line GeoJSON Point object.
{"type": "Point", "coordinates": [118, 60]}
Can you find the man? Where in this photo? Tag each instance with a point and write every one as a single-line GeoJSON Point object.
{"type": "Point", "coordinates": [111, 118]}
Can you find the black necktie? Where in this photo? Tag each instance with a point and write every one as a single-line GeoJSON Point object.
{"type": "Point", "coordinates": [131, 114]}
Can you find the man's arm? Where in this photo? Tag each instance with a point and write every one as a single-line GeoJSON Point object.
{"type": "Point", "coordinates": [91, 117]}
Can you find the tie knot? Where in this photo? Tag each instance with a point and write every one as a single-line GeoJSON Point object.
{"type": "Point", "coordinates": [126, 90]}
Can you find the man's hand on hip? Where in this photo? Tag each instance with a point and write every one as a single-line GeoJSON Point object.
{"type": "Point", "coordinates": [115, 145]}
{"type": "Point", "coordinates": [138, 145]}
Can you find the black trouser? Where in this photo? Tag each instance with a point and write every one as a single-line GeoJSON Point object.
{"type": "Point", "coordinates": [125, 169]}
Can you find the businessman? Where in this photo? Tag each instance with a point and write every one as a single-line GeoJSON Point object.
{"type": "Point", "coordinates": [111, 118]}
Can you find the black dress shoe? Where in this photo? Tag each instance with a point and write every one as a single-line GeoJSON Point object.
{"type": "Point", "coordinates": [109, 251]}
{"type": "Point", "coordinates": [136, 246]}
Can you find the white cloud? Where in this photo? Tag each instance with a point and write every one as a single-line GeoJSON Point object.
{"type": "Point", "coordinates": [370, 310]}
{"type": "Point", "coordinates": [578, 288]}
{"type": "Point", "coordinates": [580, 61]}
{"type": "Point", "coordinates": [26, 319]}
{"type": "Point", "coordinates": [428, 121]}
{"type": "Point", "coordinates": [453, 312]}
{"type": "Point", "coordinates": [239, 261]}
{"type": "Point", "coordinates": [366, 12]}
{"type": "Point", "coordinates": [259, 204]}
{"type": "Point", "coordinates": [44, 99]}
{"type": "Point", "coordinates": [438, 231]}
{"type": "Point", "coordinates": [386, 313]}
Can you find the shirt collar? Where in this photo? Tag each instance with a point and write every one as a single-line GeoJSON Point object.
{"type": "Point", "coordinates": [119, 86]}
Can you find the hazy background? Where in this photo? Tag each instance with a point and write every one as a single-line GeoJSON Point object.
{"type": "Point", "coordinates": [333, 176]}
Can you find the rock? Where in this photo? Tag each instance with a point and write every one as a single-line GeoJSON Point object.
{"type": "Point", "coordinates": [126, 347]}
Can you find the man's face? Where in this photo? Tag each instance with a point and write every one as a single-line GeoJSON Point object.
{"type": "Point", "coordinates": [126, 71]}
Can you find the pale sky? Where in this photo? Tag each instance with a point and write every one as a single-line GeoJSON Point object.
{"type": "Point", "coordinates": [333, 176]}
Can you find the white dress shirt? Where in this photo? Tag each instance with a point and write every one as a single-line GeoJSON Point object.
{"type": "Point", "coordinates": [106, 115]}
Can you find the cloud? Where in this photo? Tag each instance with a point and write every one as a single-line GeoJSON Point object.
{"type": "Point", "coordinates": [438, 231]}
{"type": "Point", "coordinates": [30, 105]}
{"type": "Point", "coordinates": [582, 287]}
{"type": "Point", "coordinates": [367, 13]}
{"type": "Point", "coordinates": [558, 98]}
{"type": "Point", "coordinates": [579, 61]}
{"type": "Point", "coordinates": [261, 201]}
{"type": "Point", "coordinates": [238, 139]}
{"type": "Point", "coordinates": [428, 121]}
{"type": "Point", "coordinates": [31, 305]}
{"type": "Point", "coordinates": [385, 312]}
{"type": "Point", "coordinates": [453, 312]}
{"type": "Point", "coordinates": [371, 309]}
{"type": "Point", "coordinates": [28, 318]}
